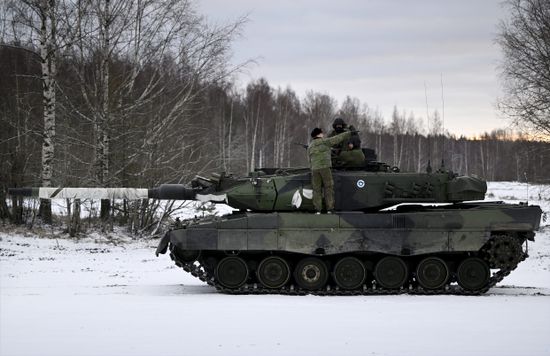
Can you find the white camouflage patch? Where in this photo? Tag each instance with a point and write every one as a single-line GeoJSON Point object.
{"type": "Point", "coordinates": [297, 199]}
{"type": "Point", "coordinates": [222, 198]}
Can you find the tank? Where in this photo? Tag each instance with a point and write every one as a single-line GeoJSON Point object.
{"type": "Point", "coordinates": [391, 232]}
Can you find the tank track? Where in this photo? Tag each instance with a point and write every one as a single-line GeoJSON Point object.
{"type": "Point", "coordinates": [198, 271]}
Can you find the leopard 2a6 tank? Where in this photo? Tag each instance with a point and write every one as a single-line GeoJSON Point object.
{"type": "Point", "coordinates": [391, 232]}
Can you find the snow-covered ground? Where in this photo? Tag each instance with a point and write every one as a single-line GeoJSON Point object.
{"type": "Point", "coordinates": [112, 296]}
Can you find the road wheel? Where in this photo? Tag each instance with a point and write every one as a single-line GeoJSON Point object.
{"type": "Point", "coordinates": [391, 272]}
{"type": "Point", "coordinates": [473, 273]}
{"type": "Point", "coordinates": [273, 272]}
{"type": "Point", "coordinates": [432, 273]}
{"type": "Point", "coordinates": [311, 273]}
{"type": "Point", "coordinates": [349, 273]}
{"type": "Point", "coordinates": [232, 272]}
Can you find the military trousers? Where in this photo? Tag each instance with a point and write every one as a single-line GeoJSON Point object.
{"type": "Point", "coordinates": [322, 178]}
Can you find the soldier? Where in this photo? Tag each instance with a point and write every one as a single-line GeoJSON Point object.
{"type": "Point", "coordinates": [352, 156]}
{"type": "Point", "coordinates": [320, 163]}
{"type": "Point", "coordinates": [339, 126]}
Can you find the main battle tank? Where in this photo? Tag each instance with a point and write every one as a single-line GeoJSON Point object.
{"type": "Point", "coordinates": [436, 243]}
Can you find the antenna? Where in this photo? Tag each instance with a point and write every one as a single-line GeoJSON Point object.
{"type": "Point", "coordinates": [429, 167]}
{"type": "Point", "coordinates": [443, 123]}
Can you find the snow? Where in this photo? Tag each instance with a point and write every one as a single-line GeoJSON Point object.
{"type": "Point", "coordinates": [111, 296]}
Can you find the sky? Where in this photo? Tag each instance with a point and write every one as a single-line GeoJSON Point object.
{"type": "Point", "coordinates": [385, 53]}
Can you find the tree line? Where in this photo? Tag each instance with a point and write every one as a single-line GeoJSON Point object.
{"type": "Point", "coordinates": [114, 93]}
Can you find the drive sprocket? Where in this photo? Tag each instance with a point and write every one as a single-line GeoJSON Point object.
{"type": "Point", "coordinates": [504, 251]}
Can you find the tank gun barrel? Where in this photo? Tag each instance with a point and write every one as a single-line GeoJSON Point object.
{"type": "Point", "coordinates": [163, 192]}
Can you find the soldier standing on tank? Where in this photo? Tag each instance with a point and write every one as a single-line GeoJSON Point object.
{"type": "Point", "coordinates": [320, 163]}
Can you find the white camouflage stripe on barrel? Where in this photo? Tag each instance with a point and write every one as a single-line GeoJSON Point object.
{"type": "Point", "coordinates": [93, 193]}
{"type": "Point", "coordinates": [219, 198]}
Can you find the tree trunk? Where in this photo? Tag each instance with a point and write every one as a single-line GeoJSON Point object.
{"type": "Point", "coordinates": [75, 225]}
{"type": "Point", "coordinates": [103, 135]}
{"type": "Point", "coordinates": [48, 64]}
{"type": "Point", "coordinates": [395, 150]}
{"type": "Point", "coordinates": [466, 158]}
{"type": "Point", "coordinates": [4, 209]}
{"type": "Point", "coordinates": [482, 157]}
{"type": "Point", "coordinates": [17, 210]}
{"type": "Point", "coordinates": [401, 150]}
{"type": "Point", "coordinates": [253, 155]}
{"type": "Point", "coordinates": [246, 141]}
{"type": "Point", "coordinates": [230, 133]}
{"type": "Point", "coordinates": [419, 162]}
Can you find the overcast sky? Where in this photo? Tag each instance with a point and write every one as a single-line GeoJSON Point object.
{"type": "Point", "coordinates": [381, 52]}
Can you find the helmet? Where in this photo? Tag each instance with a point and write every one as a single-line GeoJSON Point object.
{"type": "Point", "coordinates": [338, 121]}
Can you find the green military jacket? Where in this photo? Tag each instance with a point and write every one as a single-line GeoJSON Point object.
{"type": "Point", "coordinates": [340, 145]}
{"type": "Point", "coordinates": [351, 158]}
{"type": "Point", "coordinates": [319, 150]}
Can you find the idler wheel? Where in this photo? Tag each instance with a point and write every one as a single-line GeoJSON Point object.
{"type": "Point", "coordinates": [473, 273]}
{"type": "Point", "coordinates": [273, 272]}
{"type": "Point", "coordinates": [186, 255]}
{"type": "Point", "coordinates": [391, 272]}
{"type": "Point", "coordinates": [232, 272]}
{"type": "Point", "coordinates": [349, 273]}
{"type": "Point", "coordinates": [504, 252]}
{"type": "Point", "coordinates": [432, 273]}
{"type": "Point", "coordinates": [311, 273]}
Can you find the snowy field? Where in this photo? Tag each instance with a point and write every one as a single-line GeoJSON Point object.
{"type": "Point", "coordinates": [112, 296]}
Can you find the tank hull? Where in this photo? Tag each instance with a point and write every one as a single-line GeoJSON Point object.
{"type": "Point", "coordinates": [409, 235]}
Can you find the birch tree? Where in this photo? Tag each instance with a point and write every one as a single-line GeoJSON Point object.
{"type": "Point", "coordinates": [319, 111]}
{"type": "Point", "coordinates": [141, 67]}
{"type": "Point", "coordinates": [287, 114]}
{"type": "Point", "coordinates": [40, 19]}
{"type": "Point", "coordinates": [259, 113]}
{"type": "Point", "coordinates": [525, 42]}
{"type": "Point", "coordinates": [397, 127]}
{"type": "Point", "coordinates": [350, 110]}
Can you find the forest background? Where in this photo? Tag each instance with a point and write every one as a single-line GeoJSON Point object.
{"type": "Point", "coordinates": [109, 93]}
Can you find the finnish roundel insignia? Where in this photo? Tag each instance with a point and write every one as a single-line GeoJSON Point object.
{"type": "Point", "coordinates": [360, 183]}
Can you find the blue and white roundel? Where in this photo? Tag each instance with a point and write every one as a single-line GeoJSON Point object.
{"type": "Point", "coordinates": [360, 183]}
